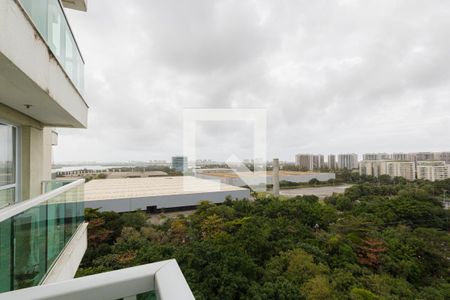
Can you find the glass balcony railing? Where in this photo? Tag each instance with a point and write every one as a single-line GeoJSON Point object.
{"type": "Point", "coordinates": [33, 233]}
{"type": "Point", "coordinates": [51, 22]}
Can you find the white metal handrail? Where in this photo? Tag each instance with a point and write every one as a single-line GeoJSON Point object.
{"type": "Point", "coordinates": [15, 209]}
{"type": "Point", "coordinates": [164, 277]}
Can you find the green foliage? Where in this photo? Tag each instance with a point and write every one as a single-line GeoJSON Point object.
{"type": "Point", "coordinates": [381, 239]}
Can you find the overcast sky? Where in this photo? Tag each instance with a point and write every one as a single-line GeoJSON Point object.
{"type": "Point", "coordinates": [335, 77]}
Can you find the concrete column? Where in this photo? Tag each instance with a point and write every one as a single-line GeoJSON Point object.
{"type": "Point", "coordinates": [276, 177]}
{"type": "Point", "coordinates": [31, 162]}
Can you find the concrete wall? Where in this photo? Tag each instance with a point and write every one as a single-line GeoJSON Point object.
{"type": "Point", "coordinates": [167, 201]}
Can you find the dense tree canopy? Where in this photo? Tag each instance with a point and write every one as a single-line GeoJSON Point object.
{"type": "Point", "coordinates": [378, 240]}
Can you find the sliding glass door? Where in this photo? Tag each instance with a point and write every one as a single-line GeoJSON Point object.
{"type": "Point", "coordinates": [8, 159]}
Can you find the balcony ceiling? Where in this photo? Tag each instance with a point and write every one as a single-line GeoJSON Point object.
{"type": "Point", "coordinates": [17, 90]}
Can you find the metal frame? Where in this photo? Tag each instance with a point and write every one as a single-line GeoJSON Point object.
{"type": "Point", "coordinates": [164, 277]}
{"type": "Point", "coordinates": [17, 158]}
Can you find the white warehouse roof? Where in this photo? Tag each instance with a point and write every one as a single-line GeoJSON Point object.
{"type": "Point", "coordinates": [128, 194]}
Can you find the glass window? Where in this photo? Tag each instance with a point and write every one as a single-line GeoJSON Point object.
{"type": "Point", "coordinates": [7, 164]}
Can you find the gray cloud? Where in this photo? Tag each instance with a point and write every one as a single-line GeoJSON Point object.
{"type": "Point", "coordinates": [334, 76]}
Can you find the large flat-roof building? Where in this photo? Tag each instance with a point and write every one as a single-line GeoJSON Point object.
{"type": "Point", "coordinates": [156, 193]}
{"type": "Point", "coordinates": [231, 177]}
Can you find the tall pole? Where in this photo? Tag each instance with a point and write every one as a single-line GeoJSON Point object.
{"type": "Point", "coordinates": [276, 177]}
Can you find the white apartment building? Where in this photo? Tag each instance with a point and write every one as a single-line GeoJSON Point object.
{"type": "Point", "coordinates": [376, 156]}
{"type": "Point", "coordinates": [432, 170]}
{"type": "Point", "coordinates": [318, 162]}
{"type": "Point", "coordinates": [304, 161]}
{"type": "Point", "coordinates": [309, 162]}
{"type": "Point", "coordinates": [405, 169]}
{"type": "Point", "coordinates": [42, 230]}
{"type": "Point", "coordinates": [401, 157]}
{"type": "Point", "coordinates": [331, 162]}
{"type": "Point", "coordinates": [423, 156]}
{"type": "Point", "coordinates": [348, 161]}
{"type": "Point", "coordinates": [442, 156]}
{"type": "Point", "coordinates": [373, 167]}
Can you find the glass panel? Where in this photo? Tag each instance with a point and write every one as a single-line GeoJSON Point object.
{"type": "Point", "coordinates": [5, 256]}
{"type": "Point", "coordinates": [55, 223]}
{"type": "Point", "coordinates": [147, 296]}
{"type": "Point", "coordinates": [7, 197]}
{"type": "Point", "coordinates": [37, 10]}
{"type": "Point", "coordinates": [32, 240]}
{"type": "Point", "coordinates": [30, 247]}
{"type": "Point", "coordinates": [7, 154]}
{"type": "Point", "coordinates": [70, 215]}
{"type": "Point", "coordinates": [49, 18]}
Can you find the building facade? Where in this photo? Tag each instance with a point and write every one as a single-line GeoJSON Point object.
{"type": "Point", "coordinates": [373, 167]}
{"type": "Point", "coordinates": [432, 170]}
{"type": "Point", "coordinates": [423, 156]}
{"type": "Point", "coordinates": [318, 162]}
{"type": "Point", "coordinates": [304, 161]}
{"type": "Point", "coordinates": [310, 162]}
{"type": "Point", "coordinates": [43, 237]}
{"type": "Point", "coordinates": [401, 157]}
{"type": "Point", "coordinates": [180, 163]}
{"type": "Point", "coordinates": [331, 162]}
{"type": "Point", "coordinates": [443, 156]}
{"type": "Point", "coordinates": [348, 161]}
{"type": "Point", "coordinates": [405, 169]}
{"type": "Point", "coordinates": [376, 156]}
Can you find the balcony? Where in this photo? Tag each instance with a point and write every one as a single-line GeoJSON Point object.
{"type": "Point", "coordinates": [41, 67]}
{"type": "Point", "coordinates": [43, 240]}
{"type": "Point", "coordinates": [49, 19]}
{"type": "Point", "coordinates": [36, 236]}
{"type": "Point", "coordinates": [161, 280]}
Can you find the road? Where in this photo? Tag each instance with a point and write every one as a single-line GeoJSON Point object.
{"type": "Point", "coordinates": [320, 192]}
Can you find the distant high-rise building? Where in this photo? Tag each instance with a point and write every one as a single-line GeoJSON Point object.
{"type": "Point", "coordinates": [443, 156]}
{"type": "Point", "coordinates": [331, 162]}
{"type": "Point", "coordinates": [424, 156]}
{"type": "Point", "coordinates": [180, 163]}
{"type": "Point", "coordinates": [304, 161]}
{"type": "Point", "coordinates": [376, 156]}
{"type": "Point", "coordinates": [405, 169]}
{"type": "Point", "coordinates": [433, 170]}
{"type": "Point", "coordinates": [348, 161]}
{"type": "Point", "coordinates": [318, 162]}
{"type": "Point", "coordinates": [373, 167]}
{"type": "Point", "coordinates": [401, 156]}
{"type": "Point", "coordinates": [309, 162]}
